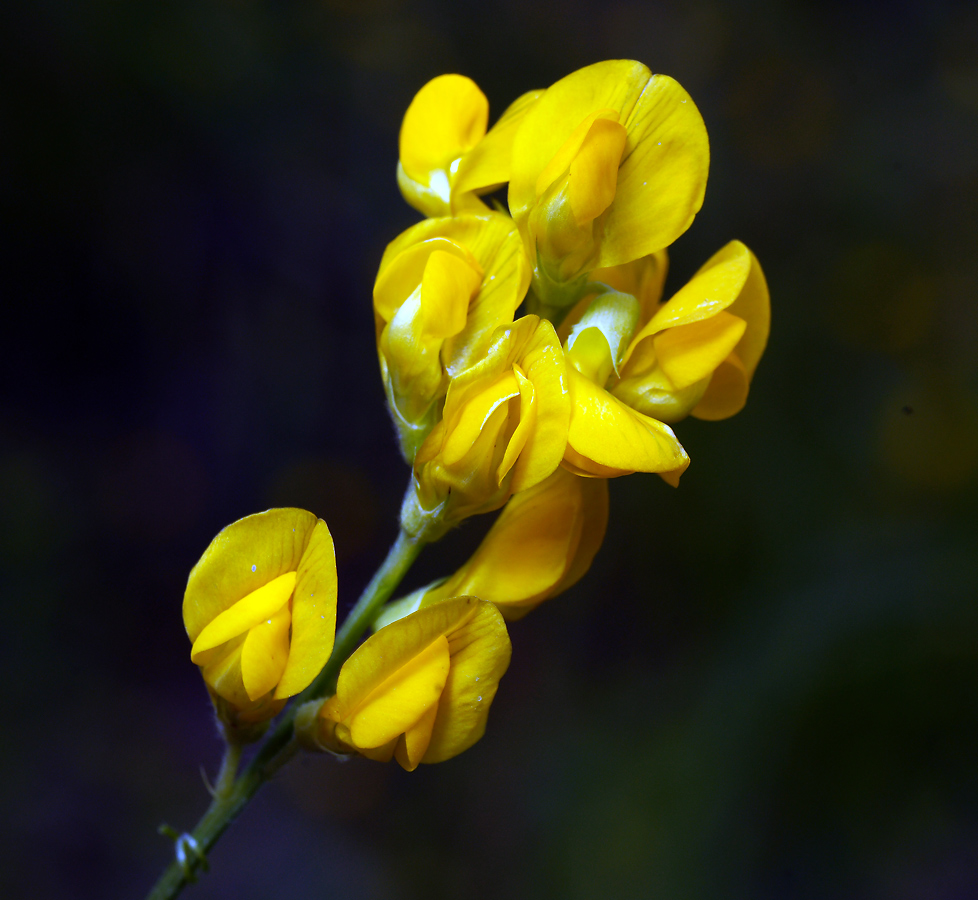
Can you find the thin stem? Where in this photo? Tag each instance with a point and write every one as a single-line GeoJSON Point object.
{"type": "Point", "coordinates": [230, 794]}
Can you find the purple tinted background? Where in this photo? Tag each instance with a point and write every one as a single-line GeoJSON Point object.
{"type": "Point", "coordinates": [766, 686]}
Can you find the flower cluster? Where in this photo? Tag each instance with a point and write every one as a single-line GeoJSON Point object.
{"type": "Point", "coordinates": [527, 355]}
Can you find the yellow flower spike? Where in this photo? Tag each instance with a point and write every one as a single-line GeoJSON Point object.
{"type": "Point", "coordinates": [443, 287]}
{"type": "Point", "coordinates": [581, 201]}
{"type": "Point", "coordinates": [696, 353]}
{"type": "Point", "coordinates": [542, 543]}
{"type": "Point", "coordinates": [420, 688]}
{"type": "Point", "coordinates": [503, 430]}
{"type": "Point", "coordinates": [446, 157]}
{"type": "Point", "coordinates": [260, 609]}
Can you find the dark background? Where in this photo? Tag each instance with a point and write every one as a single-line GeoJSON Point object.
{"type": "Point", "coordinates": [766, 686]}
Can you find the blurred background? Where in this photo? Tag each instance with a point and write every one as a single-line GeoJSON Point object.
{"type": "Point", "coordinates": [766, 687]}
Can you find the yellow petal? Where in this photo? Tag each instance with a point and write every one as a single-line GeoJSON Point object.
{"type": "Point", "coordinates": [662, 177]}
{"type": "Point", "coordinates": [447, 287]}
{"type": "Point", "coordinates": [690, 353]}
{"type": "Point", "coordinates": [313, 613]}
{"type": "Point", "coordinates": [488, 163]}
{"type": "Point", "coordinates": [753, 305]}
{"type": "Point", "coordinates": [447, 117]}
{"type": "Point", "coordinates": [222, 672]}
{"type": "Point", "coordinates": [607, 438]}
{"type": "Point", "coordinates": [262, 603]}
{"type": "Point", "coordinates": [594, 517]}
{"type": "Point", "coordinates": [396, 704]}
{"type": "Point", "coordinates": [473, 416]}
{"type": "Point", "coordinates": [480, 652]}
{"type": "Point", "coordinates": [594, 170]}
{"type": "Point", "coordinates": [527, 421]}
{"type": "Point", "coordinates": [542, 360]}
{"type": "Point", "coordinates": [597, 340]}
{"type": "Point", "coordinates": [561, 161]}
{"type": "Point", "coordinates": [727, 392]}
{"type": "Point", "coordinates": [413, 744]}
{"type": "Point", "coordinates": [264, 653]}
{"type": "Point", "coordinates": [245, 556]}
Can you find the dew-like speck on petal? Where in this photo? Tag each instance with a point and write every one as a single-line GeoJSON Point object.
{"type": "Point", "coordinates": [254, 568]}
{"type": "Point", "coordinates": [479, 698]}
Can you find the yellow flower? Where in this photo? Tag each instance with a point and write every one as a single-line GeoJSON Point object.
{"type": "Point", "coordinates": [542, 543]}
{"type": "Point", "coordinates": [609, 165]}
{"type": "Point", "coordinates": [442, 289]}
{"type": "Point", "coordinates": [419, 689]}
{"type": "Point", "coordinates": [446, 158]}
{"type": "Point", "coordinates": [260, 609]}
{"type": "Point", "coordinates": [503, 430]}
{"type": "Point", "coordinates": [696, 354]}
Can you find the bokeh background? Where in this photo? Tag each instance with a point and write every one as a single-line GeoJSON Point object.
{"type": "Point", "coordinates": [766, 687]}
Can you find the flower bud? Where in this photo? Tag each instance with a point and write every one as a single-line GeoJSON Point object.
{"type": "Point", "coordinates": [419, 689]}
{"type": "Point", "coordinates": [442, 289]}
{"type": "Point", "coordinates": [260, 609]}
{"type": "Point", "coordinates": [503, 430]}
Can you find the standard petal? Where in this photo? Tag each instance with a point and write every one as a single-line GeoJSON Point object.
{"type": "Point", "coordinates": [480, 652]}
{"type": "Point", "coordinates": [313, 613]}
{"type": "Point", "coordinates": [446, 118]}
{"type": "Point", "coordinates": [618, 440]}
{"type": "Point", "coordinates": [753, 305]}
{"type": "Point", "coordinates": [246, 555]}
{"type": "Point", "coordinates": [662, 177]}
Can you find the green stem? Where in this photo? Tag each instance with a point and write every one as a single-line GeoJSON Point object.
{"type": "Point", "coordinates": [230, 794]}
